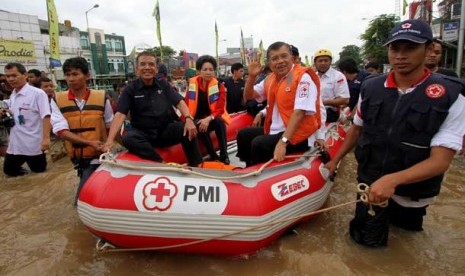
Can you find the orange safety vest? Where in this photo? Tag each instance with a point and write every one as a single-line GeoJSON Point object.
{"type": "Point", "coordinates": [283, 93]}
{"type": "Point", "coordinates": [87, 123]}
{"type": "Point", "coordinates": [213, 96]}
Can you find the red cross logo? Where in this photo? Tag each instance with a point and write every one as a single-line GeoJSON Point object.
{"type": "Point", "coordinates": [406, 26]}
{"type": "Point", "coordinates": [435, 91]}
{"type": "Point", "coordinates": [303, 92]}
{"type": "Point", "coordinates": [159, 194]}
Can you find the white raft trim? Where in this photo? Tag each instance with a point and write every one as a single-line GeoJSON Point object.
{"type": "Point", "coordinates": [162, 225]}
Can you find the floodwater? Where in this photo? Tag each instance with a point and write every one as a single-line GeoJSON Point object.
{"type": "Point", "coordinates": [41, 234]}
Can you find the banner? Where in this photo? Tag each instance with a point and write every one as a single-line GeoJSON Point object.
{"type": "Point", "coordinates": [404, 7]}
{"type": "Point", "coordinates": [421, 10]}
{"type": "Point", "coordinates": [242, 49]}
{"type": "Point", "coordinates": [54, 34]}
{"type": "Point", "coordinates": [189, 60]}
{"type": "Point", "coordinates": [17, 50]}
{"type": "Point", "coordinates": [217, 56]}
{"type": "Point", "coordinates": [262, 53]}
{"type": "Point", "coordinates": [156, 14]}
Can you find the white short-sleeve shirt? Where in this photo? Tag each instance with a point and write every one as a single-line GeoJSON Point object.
{"type": "Point", "coordinates": [26, 135]}
{"type": "Point", "coordinates": [333, 84]}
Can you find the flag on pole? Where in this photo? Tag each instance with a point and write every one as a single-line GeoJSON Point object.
{"type": "Point", "coordinates": [156, 14]}
{"type": "Point", "coordinates": [404, 7]}
{"type": "Point", "coordinates": [244, 62]}
{"type": "Point", "coordinates": [216, 39]}
{"type": "Point", "coordinates": [54, 34]}
{"type": "Point", "coordinates": [262, 52]}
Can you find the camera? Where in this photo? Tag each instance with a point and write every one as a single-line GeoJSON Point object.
{"type": "Point", "coordinates": [6, 120]}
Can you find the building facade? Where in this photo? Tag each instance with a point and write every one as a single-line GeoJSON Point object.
{"type": "Point", "coordinates": [25, 39]}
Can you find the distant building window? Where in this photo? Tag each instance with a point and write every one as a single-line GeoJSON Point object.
{"type": "Point", "coordinates": [111, 67]}
{"type": "Point", "coordinates": [108, 45]}
{"type": "Point", "coordinates": [118, 46]}
{"type": "Point", "coordinates": [84, 42]}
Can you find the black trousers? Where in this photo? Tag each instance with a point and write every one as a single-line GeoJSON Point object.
{"type": "Point", "coordinates": [219, 127]}
{"type": "Point", "coordinates": [143, 144]}
{"type": "Point", "coordinates": [373, 230]}
{"type": "Point", "coordinates": [13, 163]}
{"type": "Point", "coordinates": [331, 115]}
{"type": "Point", "coordinates": [254, 147]}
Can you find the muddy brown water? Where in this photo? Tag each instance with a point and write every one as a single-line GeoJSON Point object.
{"type": "Point", "coordinates": [41, 234]}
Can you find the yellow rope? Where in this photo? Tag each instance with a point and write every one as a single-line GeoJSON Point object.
{"type": "Point", "coordinates": [362, 189]}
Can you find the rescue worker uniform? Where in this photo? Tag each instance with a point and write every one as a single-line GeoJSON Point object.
{"type": "Point", "coordinates": [333, 85]}
{"type": "Point", "coordinates": [399, 129]}
{"type": "Point", "coordinates": [299, 89]}
{"type": "Point", "coordinates": [88, 118]}
{"type": "Point", "coordinates": [210, 101]}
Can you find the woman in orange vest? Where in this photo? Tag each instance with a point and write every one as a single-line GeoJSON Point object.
{"type": "Point", "coordinates": [206, 99]}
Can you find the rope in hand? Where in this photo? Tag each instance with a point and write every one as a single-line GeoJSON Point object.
{"type": "Point", "coordinates": [364, 190]}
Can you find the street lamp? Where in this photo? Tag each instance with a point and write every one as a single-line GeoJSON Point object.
{"type": "Point", "coordinates": [87, 19]}
{"type": "Point", "coordinates": [90, 48]}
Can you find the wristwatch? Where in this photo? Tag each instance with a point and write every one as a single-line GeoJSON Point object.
{"type": "Point", "coordinates": [284, 140]}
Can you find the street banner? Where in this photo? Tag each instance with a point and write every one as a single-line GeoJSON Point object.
{"type": "Point", "coordinates": [17, 51]}
{"type": "Point", "coordinates": [244, 61]}
{"type": "Point", "coordinates": [156, 14]}
{"type": "Point", "coordinates": [262, 53]}
{"type": "Point", "coordinates": [421, 10]}
{"type": "Point", "coordinates": [404, 7]}
{"type": "Point", "coordinates": [216, 40]}
{"type": "Point", "coordinates": [189, 60]}
{"type": "Point", "coordinates": [54, 34]}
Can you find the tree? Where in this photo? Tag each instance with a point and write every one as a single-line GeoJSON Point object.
{"type": "Point", "coordinates": [375, 36]}
{"type": "Point", "coordinates": [352, 51]}
{"type": "Point", "coordinates": [167, 52]}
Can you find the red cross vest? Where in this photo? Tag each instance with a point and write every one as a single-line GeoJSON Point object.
{"type": "Point", "coordinates": [283, 93]}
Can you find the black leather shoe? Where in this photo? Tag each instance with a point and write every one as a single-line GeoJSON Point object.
{"type": "Point", "coordinates": [225, 160]}
{"type": "Point", "coordinates": [213, 157]}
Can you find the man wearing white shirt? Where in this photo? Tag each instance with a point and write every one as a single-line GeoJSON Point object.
{"type": "Point", "coordinates": [81, 117]}
{"type": "Point", "coordinates": [293, 113]}
{"type": "Point", "coordinates": [334, 87]}
{"type": "Point", "coordinates": [30, 136]}
{"type": "Point", "coordinates": [407, 128]}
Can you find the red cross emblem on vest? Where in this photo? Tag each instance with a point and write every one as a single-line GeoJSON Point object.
{"type": "Point", "coordinates": [159, 194]}
{"type": "Point", "coordinates": [435, 91]}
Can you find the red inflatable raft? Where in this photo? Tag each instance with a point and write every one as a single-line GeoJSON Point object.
{"type": "Point", "coordinates": [133, 203]}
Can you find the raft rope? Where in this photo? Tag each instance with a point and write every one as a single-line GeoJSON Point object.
{"type": "Point", "coordinates": [362, 189]}
{"type": "Point", "coordinates": [107, 158]}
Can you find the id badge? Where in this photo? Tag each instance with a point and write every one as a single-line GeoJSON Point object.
{"type": "Point", "coordinates": [21, 119]}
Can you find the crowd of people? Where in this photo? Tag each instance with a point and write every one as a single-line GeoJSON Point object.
{"type": "Point", "coordinates": [407, 124]}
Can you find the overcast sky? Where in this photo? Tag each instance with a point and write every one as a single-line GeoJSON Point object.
{"type": "Point", "coordinates": [189, 25]}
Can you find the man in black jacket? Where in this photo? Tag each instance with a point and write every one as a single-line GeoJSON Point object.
{"type": "Point", "coordinates": [235, 89]}
{"type": "Point", "coordinates": [407, 128]}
